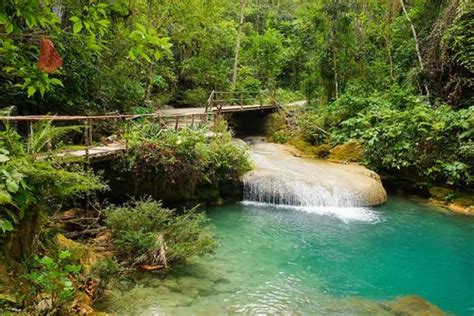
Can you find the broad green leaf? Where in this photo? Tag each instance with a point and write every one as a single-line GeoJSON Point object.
{"type": "Point", "coordinates": [132, 53]}
{"type": "Point", "coordinates": [30, 20]}
{"type": "Point", "coordinates": [64, 255]}
{"type": "Point", "coordinates": [47, 261]}
{"type": "Point", "coordinates": [12, 185]}
{"type": "Point", "coordinates": [9, 27]}
{"type": "Point", "coordinates": [3, 19]}
{"type": "Point", "coordinates": [74, 19]}
{"type": "Point", "coordinates": [5, 226]}
{"type": "Point", "coordinates": [77, 27]}
{"type": "Point", "coordinates": [73, 268]}
{"type": "Point", "coordinates": [31, 91]}
{"type": "Point", "coordinates": [5, 198]}
{"type": "Point", "coordinates": [56, 82]}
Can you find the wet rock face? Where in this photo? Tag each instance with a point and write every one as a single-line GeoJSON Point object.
{"type": "Point", "coordinates": [281, 178]}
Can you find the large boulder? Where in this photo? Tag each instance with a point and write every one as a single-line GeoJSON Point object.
{"type": "Point", "coordinates": [280, 177]}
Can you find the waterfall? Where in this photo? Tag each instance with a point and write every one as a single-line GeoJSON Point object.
{"type": "Point", "coordinates": [280, 178]}
{"type": "Point", "coordinates": [282, 190]}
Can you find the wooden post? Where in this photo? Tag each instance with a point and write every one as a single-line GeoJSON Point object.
{"type": "Point", "coordinates": [192, 120]}
{"type": "Point", "coordinates": [30, 135]}
{"type": "Point", "coordinates": [210, 101]}
{"type": "Point", "coordinates": [89, 129]}
{"type": "Point", "coordinates": [241, 101]}
{"type": "Point", "coordinates": [127, 131]}
{"type": "Point", "coordinates": [86, 140]}
{"type": "Point", "coordinates": [260, 99]}
{"type": "Point", "coordinates": [177, 123]}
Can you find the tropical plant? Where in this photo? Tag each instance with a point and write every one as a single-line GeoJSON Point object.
{"type": "Point", "coordinates": [53, 281]}
{"type": "Point", "coordinates": [146, 233]}
{"type": "Point", "coordinates": [176, 163]}
{"type": "Point", "coordinates": [30, 187]}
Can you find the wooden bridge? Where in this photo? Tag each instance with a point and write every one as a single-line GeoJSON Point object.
{"type": "Point", "coordinates": [219, 102]}
{"type": "Point", "coordinates": [89, 152]}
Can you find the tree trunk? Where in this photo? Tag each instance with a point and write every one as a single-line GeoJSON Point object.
{"type": "Point", "coordinates": [417, 44]}
{"type": "Point", "coordinates": [237, 45]}
{"type": "Point", "coordinates": [149, 83]}
{"type": "Point", "coordinates": [19, 244]}
{"type": "Point", "coordinates": [334, 63]}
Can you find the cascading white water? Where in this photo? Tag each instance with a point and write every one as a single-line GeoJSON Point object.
{"type": "Point", "coordinates": [280, 178]}
{"type": "Point", "coordinates": [285, 191]}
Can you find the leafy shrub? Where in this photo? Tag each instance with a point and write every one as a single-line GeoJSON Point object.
{"type": "Point", "coordinates": [176, 163]}
{"type": "Point", "coordinates": [30, 187]}
{"type": "Point", "coordinates": [287, 96]}
{"type": "Point", "coordinates": [54, 277]}
{"type": "Point", "coordinates": [281, 137]}
{"type": "Point", "coordinates": [398, 133]}
{"type": "Point", "coordinates": [146, 233]}
{"type": "Point", "coordinates": [434, 144]}
{"type": "Point", "coordinates": [195, 97]}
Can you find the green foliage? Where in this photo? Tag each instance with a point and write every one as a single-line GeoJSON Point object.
{"type": "Point", "coordinates": [54, 279]}
{"type": "Point", "coordinates": [167, 52]}
{"type": "Point", "coordinates": [30, 186]}
{"type": "Point", "coordinates": [461, 33]}
{"type": "Point", "coordinates": [146, 233]}
{"type": "Point", "coordinates": [147, 45]}
{"type": "Point", "coordinates": [434, 144]}
{"type": "Point", "coordinates": [94, 41]}
{"type": "Point", "coordinates": [266, 53]}
{"type": "Point", "coordinates": [280, 136]}
{"type": "Point", "coordinates": [177, 163]}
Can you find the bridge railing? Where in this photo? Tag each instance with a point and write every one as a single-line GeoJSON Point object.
{"type": "Point", "coordinates": [218, 99]}
{"type": "Point", "coordinates": [90, 123]}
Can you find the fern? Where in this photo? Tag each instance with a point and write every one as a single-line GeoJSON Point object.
{"type": "Point", "coordinates": [44, 132]}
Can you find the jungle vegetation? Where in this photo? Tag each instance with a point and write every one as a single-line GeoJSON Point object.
{"type": "Point", "coordinates": [394, 77]}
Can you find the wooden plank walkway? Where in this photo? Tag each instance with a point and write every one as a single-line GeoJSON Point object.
{"type": "Point", "coordinates": [94, 153]}
{"type": "Point", "coordinates": [224, 109]}
{"type": "Point", "coordinates": [172, 118]}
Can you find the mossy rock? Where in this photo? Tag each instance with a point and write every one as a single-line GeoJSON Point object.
{"type": "Point", "coordinates": [412, 305]}
{"type": "Point", "coordinates": [276, 122]}
{"type": "Point", "coordinates": [322, 151]}
{"type": "Point", "coordinates": [351, 151]}
{"type": "Point", "coordinates": [305, 148]}
{"type": "Point", "coordinates": [456, 201]}
{"type": "Point", "coordinates": [80, 252]}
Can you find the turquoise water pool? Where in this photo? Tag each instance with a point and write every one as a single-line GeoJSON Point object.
{"type": "Point", "coordinates": [316, 261]}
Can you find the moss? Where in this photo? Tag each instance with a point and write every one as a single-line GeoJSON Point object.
{"type": "Point", "coordinates": [351, 151]}
{"type": "Point", "coordinates": [322, 151]}
{"type": "Point", "coordinates": [454, 200]}
{"type": "Point", "coordinates": [276, 123]}
{"type": "Point", "coordinates": [83, 253]}
{"type": "Point", "coordinates": [12, 288]}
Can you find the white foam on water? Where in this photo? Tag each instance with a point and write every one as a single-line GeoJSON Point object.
{"type": "Point", "coordinates": [345, 214]}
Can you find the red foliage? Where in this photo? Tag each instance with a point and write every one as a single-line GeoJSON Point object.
{"type": "Point", "coordinates": [49, 59]}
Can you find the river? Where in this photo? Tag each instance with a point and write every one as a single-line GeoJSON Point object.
{"type": "Point", "coordinates": [293, 258]}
